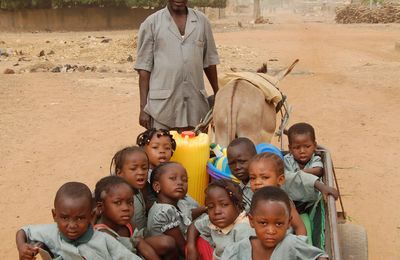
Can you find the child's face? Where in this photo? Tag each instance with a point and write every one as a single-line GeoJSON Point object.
{"type": "Point", "coordinates": [263, 173]}
{"type": "Point", "coordinates": [221, 210]}
{"type": "Point", "coordinates": [73, 216]}
{"type": "Point", "coordinates": [173, 182]}
{"type": "Point", "coordinates": [238, 161]}
{"type": "Point", "coordinates": [302, 148]}
{"type": "Point", "coordinates": [159, 150]}
{"type": "Point", "coordinates": [135, 170]}
{"type": "Point", "coordinates": [117, 206]}
{"type": "Point", "coordinates": [270, 219]}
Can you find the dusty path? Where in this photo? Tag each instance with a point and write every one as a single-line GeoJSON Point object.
{"type": "Point", "coordinates": [60, 127]}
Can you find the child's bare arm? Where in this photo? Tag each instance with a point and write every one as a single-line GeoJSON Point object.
{"type": "Point", "coordinates": [317, 171]}
{"type": "Point", "coordinates": [192, 235]}
{"type": "Point", "coordinates": [146, 250]}
{"type": "Point", "coordinates": [196, 212]}
{"type": "Point", "coordinates": [323, 258]}
{"type": "Point", "coordinates": [297, 224]}
{"type": "Point", "coordinates": [326, 190]}
{"type": "Point", "coordinates": [179, 239]}
{"type": "Point", "coordinates": [25, 250]}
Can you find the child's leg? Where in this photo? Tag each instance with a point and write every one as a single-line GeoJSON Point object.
{"type": "Point", "coordinates": [164, 246]}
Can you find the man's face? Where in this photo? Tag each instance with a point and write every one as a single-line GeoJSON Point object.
{"type": "Point", "coordinates": [73, 216]}
{"type": "Point", "coordinates": [177, 5]}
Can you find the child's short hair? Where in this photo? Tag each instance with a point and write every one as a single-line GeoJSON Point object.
{"type": "Point", "coordinates": [246, 142]}
{"type": "Point", "coordinates": [158, 170]}
{"type": "Point", "coordinates": [145, 137]}
{"type": "Point", "coordinates": [280, 167]}
{"type": "Point", "coordinates": [270, 193]}
{"type": "Point", "coordinates": [233, 189]}
{"type": "Point", "coordinates": [299, 129]}
{"type": "Point", "coordinates": [119, 158]}
{"type": "Point", "coordinates": [104, 185]}
{"type": "Point", "coordinates": [74, 190]}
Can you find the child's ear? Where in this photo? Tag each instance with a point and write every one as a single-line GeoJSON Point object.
{"type": "Point", "coordinates": [99, 208]}
{"type": "Point", "coordinates": [251, 220]}
{"type": "Point", "coordinates": [156, 186]}
{"type": "Point", "coordinates": [290, 221]}
{"type": "Point", "coordinates": [53, 213]}
{"type": "Point", "coordinates": [281, 180]}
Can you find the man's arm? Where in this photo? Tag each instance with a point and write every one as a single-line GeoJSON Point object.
{"type": "Point", "coordinates": [211, 73]}
{"type": "Point", "coordinates": [144, 83]}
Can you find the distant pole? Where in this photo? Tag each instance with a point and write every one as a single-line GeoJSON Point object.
{"type": "Point", "coordinates": [370, 4]}
{"type": "Point", "coordinates": [256, 11]}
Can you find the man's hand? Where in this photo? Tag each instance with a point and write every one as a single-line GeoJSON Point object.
{"type": "Point", "coordinates": [27, 251]}
{"type": "Point", "coordinates": [145, 119]}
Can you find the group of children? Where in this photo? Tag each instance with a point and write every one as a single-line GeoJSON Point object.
{"type": "Point", "coordinates": [142, 210]}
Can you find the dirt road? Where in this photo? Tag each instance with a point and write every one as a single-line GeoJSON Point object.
{"type": "Point", "coordinates": [57, 127]}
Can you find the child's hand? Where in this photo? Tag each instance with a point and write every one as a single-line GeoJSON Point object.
{"type": "Point", "coordinates": [191, 252]}
{"type": "Point", "coordinates": [27, 251]}
{"type": "Point", "coordinates": [326, 190]}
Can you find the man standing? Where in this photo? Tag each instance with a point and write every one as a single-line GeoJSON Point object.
{"type": "Point", "coordinates": [175, 45]}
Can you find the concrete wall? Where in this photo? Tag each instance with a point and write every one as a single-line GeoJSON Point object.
{"type": "Point", "coordinates": [73, 19]}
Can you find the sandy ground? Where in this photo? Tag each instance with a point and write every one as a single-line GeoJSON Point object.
{"type": "Point", "coordinates": [58, 127]}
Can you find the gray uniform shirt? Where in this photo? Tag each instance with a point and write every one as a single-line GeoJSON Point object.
{"type": "Point", "coordinates": [221, 238]}
{"type": "Point", "coordinates": [300, 186]}
{"type": "Point", "coordinates": [100, 245]}
{"type": "Point", "coordinates": [177, 97]}
{"type": "Point", "coordinates": [247, 195]}
{"type": "Point", "coordinates": [290, 248]}
{"type": "Point", "coordinates": [163, 217]}
{"type": "Point", "coordinates": [292, 166]}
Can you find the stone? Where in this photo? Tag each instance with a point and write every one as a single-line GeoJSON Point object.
{"type": "Point", "coordinates": [9, 71]}
{"type": "Point", "coordinates": [56, 69]}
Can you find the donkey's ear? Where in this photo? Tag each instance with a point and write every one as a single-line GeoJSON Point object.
{"type": "Point", "coordinates": [263, 69]}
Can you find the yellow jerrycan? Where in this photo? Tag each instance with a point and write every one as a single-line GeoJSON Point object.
{"type": "Point", "coordinates": [193, 153]}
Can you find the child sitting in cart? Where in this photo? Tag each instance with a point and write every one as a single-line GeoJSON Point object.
{"type": "Point", "coordinates": [270, 216]}
{"type": "Point", "coordinates": [72, 236]}
{"type": "Point", "coordinates": [266, 169]}
{"type": "Point", "coordinates": [225, 223]}
{"type": "Point", "coordinates": [169, 182]}
{"type": "Point", "coordinates": [302, 146]}
{"type": "Point", "coordinates": [159, 146]}
{"type": "Point", "coordinates": [300, 186]}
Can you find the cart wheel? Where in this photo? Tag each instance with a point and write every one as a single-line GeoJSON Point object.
{"type": "Point", "coordinates": [353, 242]}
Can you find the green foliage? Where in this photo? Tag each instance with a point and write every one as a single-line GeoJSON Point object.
{"type": "Point", "coordinates": [24, 4]}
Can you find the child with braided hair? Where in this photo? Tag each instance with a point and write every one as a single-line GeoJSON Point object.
{"type": "Point", "coordinates": [132, 164]}
{"type": "Point", "coordinates": [159, 146]}
{"type": "Point", "coordinates": [225, 223]}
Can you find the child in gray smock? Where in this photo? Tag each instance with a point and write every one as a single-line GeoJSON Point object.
{"type": "Point", "coordinates": [159, 146]}
{"type": "Point", "coordinates": [226, 221]}
{"type": "Point", "coordinates": [291, 247]}
{"type": "Point", "coordinates": [72, 236]}
{"type": "Point", "coordinates": [92, 245]}
{"type": "Point", "coordinates": [169, 182]}
{"type": "Point", "coordinates": [299, 185]}
{"type": "Point", "coordinates": [270, 217]}
{"type": "Point", "coordinates": [302, 146]}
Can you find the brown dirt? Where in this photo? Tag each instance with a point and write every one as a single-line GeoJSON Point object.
{"type": "Point", "coordinates": [60, 127]}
